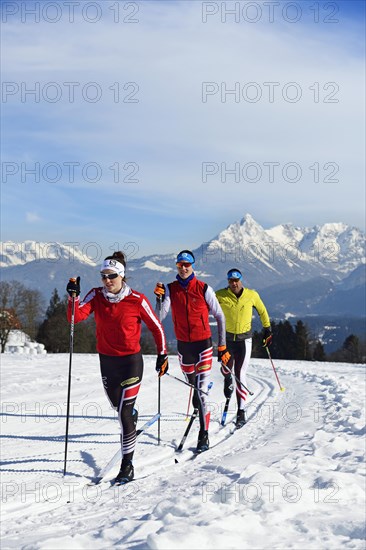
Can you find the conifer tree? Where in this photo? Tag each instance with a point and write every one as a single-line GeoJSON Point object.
{"type": "Point", "coordinates": [302, 342]}
{"type": "Point", "coordinates": [54, 332]}
{"type": "Point", "coordinates": [319, 353]}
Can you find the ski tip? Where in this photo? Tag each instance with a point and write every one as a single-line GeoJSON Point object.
{"type": "Point", "coordinates": [176, 461]}
{"type": "Point", "coordinates": [282, 388]}
{"type": "Point", "coordinates": [196, 453]}
{"type": "Point", "coordinates": [94, 481]}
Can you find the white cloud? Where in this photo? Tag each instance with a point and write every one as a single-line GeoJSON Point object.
{"type": "Point", "coordinates": [32, 217]}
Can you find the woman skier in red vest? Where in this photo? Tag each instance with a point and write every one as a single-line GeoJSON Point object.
{"type": "Point", "coordinates": [192, 301]}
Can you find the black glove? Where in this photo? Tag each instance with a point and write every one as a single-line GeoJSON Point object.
{"type": "Point", "coordinates": [223, 355]}
{"type": "Point", "coordinates": [73, 287]}
{"type": "Point", "coordinates": [267, 337]}
{"type": "Point", "coordinates": [162, 364]}
{"type": "Point", "coordinates": [160, 291]}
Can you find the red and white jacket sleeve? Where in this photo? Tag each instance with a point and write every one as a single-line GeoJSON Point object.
{"type": "Point", "coordinates": [154, 325]}
{"type": "Point", "coordinates": [82, 308]}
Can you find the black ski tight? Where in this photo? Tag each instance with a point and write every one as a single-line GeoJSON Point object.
{"type": "Point", "coordinates": [240, 356]}
{"type": "Point", "coordinates": [121, 378]}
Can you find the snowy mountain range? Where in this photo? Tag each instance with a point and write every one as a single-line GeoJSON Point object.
{"type": "Point", "coordinates": [299, 271]}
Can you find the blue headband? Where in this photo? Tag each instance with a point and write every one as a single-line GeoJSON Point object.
{"type": "Point", "coordinates": [234, 274]}
{"type": "Point", "coordinates": [185, 257]}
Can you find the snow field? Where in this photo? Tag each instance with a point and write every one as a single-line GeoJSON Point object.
{"type": "Point", "coordinates": [293, 477]}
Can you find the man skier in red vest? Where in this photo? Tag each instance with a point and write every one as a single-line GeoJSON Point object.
{"type": "Point", "coordinates": [192, 301]}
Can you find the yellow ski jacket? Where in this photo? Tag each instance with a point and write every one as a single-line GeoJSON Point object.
{"type": "Point", "coordinates": [239, 312]}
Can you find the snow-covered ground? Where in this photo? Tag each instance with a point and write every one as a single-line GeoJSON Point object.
{"type": "Point", "coordinates": [293, 477]}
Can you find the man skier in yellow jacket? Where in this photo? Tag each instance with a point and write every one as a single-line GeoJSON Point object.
{"type": "Point", "coordinates": [237, 303]}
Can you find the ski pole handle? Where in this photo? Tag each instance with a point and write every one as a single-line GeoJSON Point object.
{"type": "Point", "coordinates": [73, 287]}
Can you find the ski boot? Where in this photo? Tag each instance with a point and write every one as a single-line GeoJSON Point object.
{"type": "Point", "coordinates": [228, 386]}
{"type": "Point", "coordinates": [125, 474]}
{"type": "Point", "coordinates": [203, 442]}
{"type": "Point", "coordinates": [240, 419]}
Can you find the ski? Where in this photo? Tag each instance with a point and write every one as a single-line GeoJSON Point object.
{"type": "Point", "coordinates": [148, 424]}
{"type": "Point", "coordinates": [236, 428]}
{"type": "Point", "coordinates": [117, 457]}
{"type": "Point", "coordinates": [192, 419]}
{"type": "Point", "coordinates": [224, 414]}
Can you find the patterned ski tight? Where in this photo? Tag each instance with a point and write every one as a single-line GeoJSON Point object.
{"type": "Point", "coordinates": [195, 359]}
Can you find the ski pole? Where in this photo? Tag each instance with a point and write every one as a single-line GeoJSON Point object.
{"type": "Point", "coordinates": [243, 385]}
{"type": "Point", "coordinates": [240, 383]}
{"type": "Point", "coordinates": [185, 435]}
{"type": "Point", "coordinates": [71, 347]}
{"type": "Point", "coordinates": [186, 383]}
{"type": "Point", "coordinates": [158, 302]}
{"type": "Point", "coordinates": [274, 370]}
{"type": "Point", "coordinates": [189, 404]}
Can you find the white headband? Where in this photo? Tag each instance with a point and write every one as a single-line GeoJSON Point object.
{"type": "Point", "coordinates": [113, 265]}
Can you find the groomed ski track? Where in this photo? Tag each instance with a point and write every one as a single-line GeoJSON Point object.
{"type": "Point", "coordinates": [280, 467]}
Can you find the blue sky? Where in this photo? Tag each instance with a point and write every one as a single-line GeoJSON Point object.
{"type": "Point", "coordinates": [200, 116]}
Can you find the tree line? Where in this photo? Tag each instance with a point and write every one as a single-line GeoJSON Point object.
{"type": "Point", "coordinates": [22, 308]}
{"type": "Point", "coordinates": [296, 343]}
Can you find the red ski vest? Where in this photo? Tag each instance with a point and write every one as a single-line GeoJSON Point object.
{"type": "Point", "coordinates": [190, 311]}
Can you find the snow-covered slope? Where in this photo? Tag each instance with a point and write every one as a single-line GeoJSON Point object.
{"type": "Point", "coordinates": [293, 477]}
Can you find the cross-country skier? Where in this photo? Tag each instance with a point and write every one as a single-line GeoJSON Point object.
{"type": "Point", "coordinates": [192, 301]}
{"type": "Point", "coordinates": [237, 304]}
{"type": "Point", "coordinates": [118, 312]}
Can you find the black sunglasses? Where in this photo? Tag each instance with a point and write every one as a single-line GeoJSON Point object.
{"type": "Point", "coordinates": [109, 275]}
